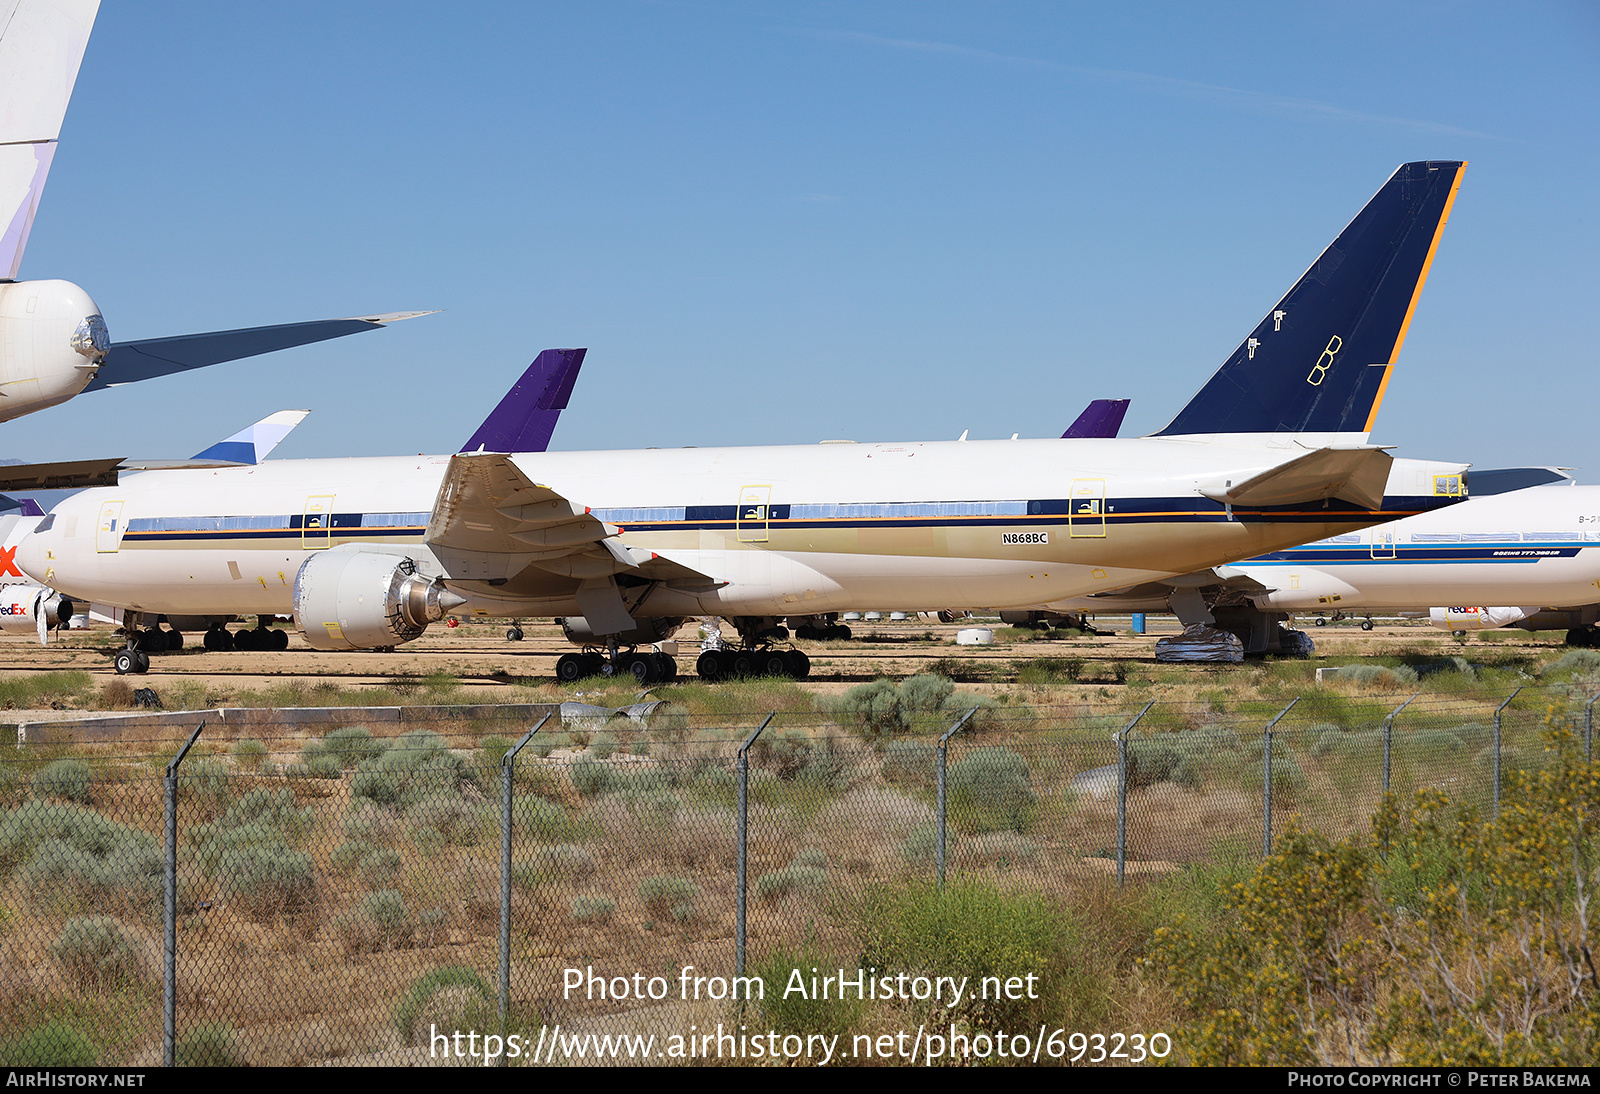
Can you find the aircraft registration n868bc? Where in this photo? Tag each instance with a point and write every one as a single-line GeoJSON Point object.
{"type": "Point", "coordinates": [1272, 452]}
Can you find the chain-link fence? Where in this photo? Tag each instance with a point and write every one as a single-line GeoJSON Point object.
{"type": "Point", "coordinates": [274, 893]}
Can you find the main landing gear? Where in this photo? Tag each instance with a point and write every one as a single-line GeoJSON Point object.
{"type": "Point", "coordinates": [731, 664]}
{"type": "Point", "coordinates": [645, 666]}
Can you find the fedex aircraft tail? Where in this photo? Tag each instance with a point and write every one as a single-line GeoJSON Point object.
{"type": "Point", "coordinates": [1320, 360]}
{"type": "Point", "coordinates": [1101, 418]}
{"type": "Point", "coordinates": [42, 44]}
{"type": "Point", "coordinates": [526, 418]}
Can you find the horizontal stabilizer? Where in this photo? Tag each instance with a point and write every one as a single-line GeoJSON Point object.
{"type": "Point", "coordinates": [1320, 360]}
{"type": "Point", "coordinates": [252, 443]}
{"type": "Point", "coordinates": [249, 445]}
{"type": "Point", "coordinates": [1503, 480]}
{"type": "Point", "coordinates": [526, 418]}
{"type": "Point", "coordinates": [1101, 418]}
{"type": "Point", "coordinates": [129, 362]}
{"type": "Point", "coordinates": [1354, 474]}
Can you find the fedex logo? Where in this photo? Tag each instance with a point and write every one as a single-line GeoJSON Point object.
{"type": "Point", "coordinates": [8, 562]}
{"type": "Point", "coordinates": [13, 609]}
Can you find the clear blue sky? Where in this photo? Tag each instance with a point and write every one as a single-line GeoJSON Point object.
{"type": "Point", "coordinates": [781, 222]}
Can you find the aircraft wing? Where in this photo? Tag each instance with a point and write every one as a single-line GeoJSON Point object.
{"type": "Point", "coordinates": [130, 362]}
{"type": "Point", "coordinates": [490, 522]}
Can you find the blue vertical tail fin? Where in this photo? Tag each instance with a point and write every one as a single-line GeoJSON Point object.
{"type": "Point", "coordinates": [1320, 360]}
{"type": "Point", "coordinates": [1101, 418]}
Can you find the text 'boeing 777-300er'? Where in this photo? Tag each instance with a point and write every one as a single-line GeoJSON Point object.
{"type": "Point", "coordinates": [365, 553]}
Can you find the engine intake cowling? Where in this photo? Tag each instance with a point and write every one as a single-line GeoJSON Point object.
{"type": "Point", "coordinates": [363, 601]}
{"type": "Point", "coordinates": [1477, 618]}
{"type": "Point", "coordinates": [22, 605]}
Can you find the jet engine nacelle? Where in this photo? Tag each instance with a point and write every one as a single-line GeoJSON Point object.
{"type": "Point", "coordinates": [1477, 619]}
{"type": "Point", "coordinates": [22, 605]}
{"type": "Point", "coordinates": [579, 633]}
{"type": "Point", "coordinates": [364, 601]}
{"type": "Point", "coordinates": [52, 341]}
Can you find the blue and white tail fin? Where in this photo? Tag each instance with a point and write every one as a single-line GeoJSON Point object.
{"type": "Point", "coordinates": [526, 418]}
{"type": "Point", "coordinates": [1319, 363]}
{"type": "Point", "coordinates": [253, 443]}
{"type": "Point", "coordinates": [41, 48]}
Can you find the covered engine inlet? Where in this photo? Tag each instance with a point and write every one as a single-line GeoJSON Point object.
{"type": "Point", "coordinates": [364, 601]}
{"type": "Point", "coordinates": [33, 609]}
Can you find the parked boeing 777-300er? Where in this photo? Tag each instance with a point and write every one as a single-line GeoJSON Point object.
{"type": "Point", "coordinates": [366, 553]}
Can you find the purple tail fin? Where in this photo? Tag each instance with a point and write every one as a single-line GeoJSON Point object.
{"type": "Point", "coordinates": [1101, 418]}
{"type": "Point", "coordinates": [526, 417]}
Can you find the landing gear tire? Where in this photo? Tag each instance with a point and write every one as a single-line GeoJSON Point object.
{"type": "Point", "coordinates": [640, 667]}
{"type": "Point", "coordinates": [174, 639]}
{"type": "Point", "coordinates": [709, 666]}
{"type": "Point", "coordinates": [666, 668]}
{"type": "Point", "coordinates": [279, 640]}
{"type": "Point", "coordinates": [1321, 622]}
{"type": "Point", "coordinates": [799, 664]}
{"type": "Point", "coordinates": [125, 661]}
{"type": "Point", "coordinates": [569, 667]}
{"type": "Point", "coordinates": [775, 664]}
{"type": "Point", "coordinates": [218, 639]}
{"type": "Point", "coordinates": [150, 641]}
{"type": "Point", "coordinates": [1366, 624]}
{"type": "Point", "coordinates": [514, 634]}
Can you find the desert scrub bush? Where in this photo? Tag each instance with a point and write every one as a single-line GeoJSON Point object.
{"type": "Point", "coordinates": [1288, 778]}
{"type": "Point", "coordinates": [40, 689]}
{"type": "Point", "coordinates": [1575, 661]}
{"type": "Point", "coordinates": [566, 861]}
{"type": "Point", "coordinates": [910, 761]}
{"type": "Point", "coordinates": [669, 897]}
{"type": "Point", "coordinates": [534, 817]}
{"type": "Point", "coordinates": [545, 743]}
{"type": "Point", "coordinates": [380, 921]}
{"type": "Point", "coordinates": [972, 929]}
{"type": "Point", "coordinates": [879, 710]}
{"type": "Point", "coordinates": [1164, 758]}
{"type": "Point", "coordinates": [99, 952]}
{"type": "Point", "coordinates": [417, 766]}
{"type": "Point", "coordinates": [1379, 675]}
{"type": "Point", "coordinates": [13, 786]}
{"type": "Point", "coordinates": [1048, 670]}
{"type": "Point", "coordinates": [591, 778]}
{"type": "Point", "coordinates": [603, 747]}
{"type": "Point", "coordinates": [369, 863]}
{"type": "Point", "coordinates": [921, 847]}
{"type": "Point", "coordinates": [990, 790]}
{"type": "Point", "coordinates": [320, 766]}
{"type": "Point", "coordinates": [449, 821]}
{"type": "Point", "coordinates": [448, 999]}
{"type": "Point", "coordinates": [249, 753]}
{"type": "Point", "coordinates": [65, 780]}
{"type": "Point", "coordinates": [790, 879]}
{"type": "Point", "coordinates": [263, 875]}
{"type": "Point", "coordinates": [50, 1044]}
{"type": "Point", "coordinates": [1339, 951]}
{"type": "Point", "coordinates": [593, 909]}
{"type": "Point", "coordinates": [67, 852]}
{"type": "Point", "coordinates": [493, 749]}
{"type": "Point", "coordinates": [214, 1044]}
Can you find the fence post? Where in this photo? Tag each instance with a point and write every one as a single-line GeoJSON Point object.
{"type": "Point", "coordinates": [1266, 778]}
{"type": "Point", "coordinates": [1388, 739]}
{"type": "Point", "coordinates": [508, 774]}
{"type": "Point", "coordinates": [169, 945]}
{"type": "Point", "coordinates": [1122, 791]}
{"type": "Point", "coordinates": [1497, 711]}
{"type": "Point", "coordinates": [943, 754]}
{"type": "Point", "coordinates": [744, 844]}
{"type": "Point", "coordinates": [1588, 728]}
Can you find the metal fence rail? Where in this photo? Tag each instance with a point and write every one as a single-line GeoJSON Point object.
{"type": "Point", "coordinates": [343, 895]}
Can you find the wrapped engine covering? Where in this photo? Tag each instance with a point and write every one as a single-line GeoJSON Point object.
{"type": "Point", "coordinates": [1199, 642]}
{"type": "Point", "coordinates": [1477, 619]}
{"type": "Point", "coordinates": [363, 601]}
{"type": "Point", "coordinates": [580, 633]}
{"type": "Point", "coordinates": [21, 606]}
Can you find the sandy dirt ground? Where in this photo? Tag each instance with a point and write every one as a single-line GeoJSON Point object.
{"type": "Point", "coordinates": [480, 656]}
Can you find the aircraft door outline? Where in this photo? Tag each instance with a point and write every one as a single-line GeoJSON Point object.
{"type": "Point", "coordinates": [1383, 543]}
{"type": "Point", "coordinates": [1086, 509]}
{"type": "Point", "coordinates": [316, 529]}
{"type": "Point", "coordinates": [752, 516]}
{"type": "Point", "coordinates": [109, 529]}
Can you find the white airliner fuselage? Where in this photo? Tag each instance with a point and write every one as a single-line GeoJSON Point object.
{"type": "Point", "coordinates": [759, 531]}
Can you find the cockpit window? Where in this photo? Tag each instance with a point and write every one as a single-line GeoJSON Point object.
{"type": "Point", "coordinates": [45, 524]}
